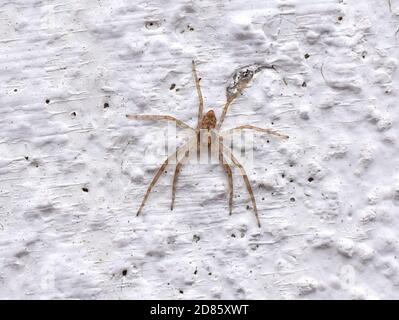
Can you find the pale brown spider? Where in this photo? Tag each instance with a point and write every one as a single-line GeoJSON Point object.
{"type": "Point", "coordinates": [208, 124]}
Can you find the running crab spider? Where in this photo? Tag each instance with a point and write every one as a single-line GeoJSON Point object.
{"type": "Point", "coordinates": [208, 123]}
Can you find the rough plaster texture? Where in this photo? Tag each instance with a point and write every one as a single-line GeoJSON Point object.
{"type": "Point", "coordinates": [72, 171]}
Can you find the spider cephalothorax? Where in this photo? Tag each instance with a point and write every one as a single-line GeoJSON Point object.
{"type": "Point", "coordinates": [208, 122]}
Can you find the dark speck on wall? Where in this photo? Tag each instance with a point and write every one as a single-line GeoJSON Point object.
{"type": "Point", "coordinates": [84, 189]}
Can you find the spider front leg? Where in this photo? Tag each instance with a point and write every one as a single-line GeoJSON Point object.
{"type": "Point", "coordinates": [230, 99]}
{"type": "Point", "coordinates": [241, 80]}
{"type": "Point", "coordinates": [200, 98]}
{"type": "Point", "coordinates": [246, 181]}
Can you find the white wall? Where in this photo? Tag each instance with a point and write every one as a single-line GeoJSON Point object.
{"type": "Point", "coordinates": [338, 239]}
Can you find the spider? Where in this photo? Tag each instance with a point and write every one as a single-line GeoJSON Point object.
{"type": "Point", "coordinates": [209, 128]}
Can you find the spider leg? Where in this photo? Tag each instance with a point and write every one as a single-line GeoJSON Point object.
{"type": "Point", "coordinates": [200, 98]}
{"type": "Point", "coordinates": [177, 172]}
{"type": "Point", "coordinates": [250, 127]}
{"type": "Point", "coordinates": [230, 99]}
{"type": "Point", "coordinates": [152, 184]}
{"type": "Point", "coordinates": [238, 87]}
{"type": "Point", "coordinates": [246, 181]}
{"type": "Point", "coordinates": [157, 176]}
{"type": "Point", "coordinates": [229, 174]}
{"type": "Point", "coordinates": [153, 117]}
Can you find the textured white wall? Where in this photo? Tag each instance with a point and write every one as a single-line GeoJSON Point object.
{"type": "Point", "coordinates": [335, 94]}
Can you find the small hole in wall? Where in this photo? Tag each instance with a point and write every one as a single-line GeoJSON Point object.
{"type": "Point", "coordinates": [306, 55]}
{"type": "Point", "coordinates": [124, 272]}
{"type": "Point", "coordinates": [172, 86]}
{"type": "Point", "coordinates": [84, 189]}
{"type": "Point", "coordinates": [106, 105]}
{"type": "Point", "coordinates": [292, 199]}
{"type": "Point", "coordinates": [153, 24]}
{"type": "Point", "coordinates": [181, 291]}
{"type": "Point", "coordinates": [310, 179]}
{"type": "Point", "coordinates": [15, 90]}
{"type": "Point", "coordinates": [47, 101]}
{"type": "Point", "coordinates": [340, 18]}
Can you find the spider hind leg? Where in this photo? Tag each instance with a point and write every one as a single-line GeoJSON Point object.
{"type": "Point", "coordinates": [246, 181]}
{"type": "Point", "coordinates": [229, 174]}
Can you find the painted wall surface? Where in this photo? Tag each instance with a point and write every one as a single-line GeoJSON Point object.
{"type": "Point", "coordinates": [74, 169]}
